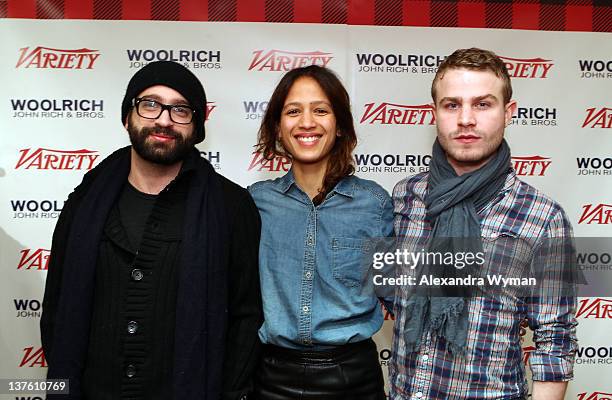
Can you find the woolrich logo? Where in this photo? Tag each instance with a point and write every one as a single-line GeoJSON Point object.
{"type": "Point", "coordinates": [47, 57]}
{"type": "Point", "coordinates": [254, 109]}
{"type": "Point", "coordinates": [277, 164]}
{"type": "Point", "coordinates": [57, 159]}
{"type": "Point", "coordinates": [281, 60]}
{"type": "Point", "coordinates": [397, 114]}
{"type": "Point", "coordinates": [534, 68]}
{"type": "Point", "coordinates": [196, 59]}
{"type": "Point", "coordinates": [598, 118]}
{"type": "Point", "coordinates": [33, 357]}
{"type": "Point", "coordinates": [598, 69]}
{"type": "Point", "coordinates": [29, 208]}
{"type": "Point", "coordinates": [213, 157]}
{"type": "Point", "coordinates": [27, 308]}
{"type": "Point", "coordinates": [594, 165]}
{"type": "Point", "coordinates": [34, 259]}
{"type": "Point", "coordinates": [595, 308]}
{"type": "Point", "coordinates": [395, 163]}
{"type": "Point", "coordinates": [600, 214]}
{"type": "Point", "coordinates": [531, 165]}
{"type": "Point", "coordinates": [594, 396]}
{"type": "Point", "coordinates": [535, 116]}
{"type": "Point", "coordinates": [399, 63]}
{"type": "Point", "coordinates": [57, 108]}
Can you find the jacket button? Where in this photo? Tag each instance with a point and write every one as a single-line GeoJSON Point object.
{"type": "Point", "coordinates": [130, 371]}
{"type": "Point", "coordinates": [132, 327]}
{"type": "Point", "coordinates": [137, 274]}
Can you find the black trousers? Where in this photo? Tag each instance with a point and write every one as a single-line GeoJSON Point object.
{"type": "Point", "coordinates": [346, 372]}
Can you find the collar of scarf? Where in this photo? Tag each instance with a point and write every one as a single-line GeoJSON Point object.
{"type": "Point", "coordinates": [452, 202]}
{"type": "Point", "coordinates": [200, 323]}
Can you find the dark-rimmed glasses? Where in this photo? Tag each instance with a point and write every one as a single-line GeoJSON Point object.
{"type": "Point", "coordinates": [152, 109]}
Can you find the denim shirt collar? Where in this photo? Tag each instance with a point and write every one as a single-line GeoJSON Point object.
{"type": "Point", "coordinates": [345, 187]}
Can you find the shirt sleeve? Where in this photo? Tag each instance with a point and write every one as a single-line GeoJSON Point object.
{"type": "Point", "coordinates": [551, 313]}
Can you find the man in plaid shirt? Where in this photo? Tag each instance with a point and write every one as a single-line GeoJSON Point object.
{"type": "Point", "coordinates": [469, 347]}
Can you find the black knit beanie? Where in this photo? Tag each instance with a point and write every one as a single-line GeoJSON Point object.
{"type": "Point", "coordinates": [175, 76]}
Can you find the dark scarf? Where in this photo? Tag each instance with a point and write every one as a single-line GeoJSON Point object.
{"type": "Point", "coordinates": [452, 202]}
{"type": "Point", "coordinates": [201, 300]}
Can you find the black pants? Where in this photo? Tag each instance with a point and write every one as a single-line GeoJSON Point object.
{"type": "Point", "coordinates": [346, 372]}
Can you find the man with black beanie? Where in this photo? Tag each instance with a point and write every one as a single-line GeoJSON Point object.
{"type": "Point", "coordinates": [152, 289]}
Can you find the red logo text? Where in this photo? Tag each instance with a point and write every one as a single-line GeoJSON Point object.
{"type": "Point", "coordinates": [33, 357]}
{"type": "Point", "coordinates": [34, 259]}
{"type": "Point", "coordinates": [600, 214]}
{"type": "Point", "coordinates": [527, 68]}
{"type": "Point", "coordinates": [594, 308]}
{"type": "Point", "coordinates": [531, 165]}
{"type": "Point", "coordinates": [280, 60]}
{"type": "Point", "coordinates": [276, 164]}
{"type": "Point", "coordinates": [57, 159]}
{"type": "Point", "coordinates": [46, 57]}
{"type": "Point", "coordinates": [601, 118]}
{"type": "Point", "coordinates": [398, 114]}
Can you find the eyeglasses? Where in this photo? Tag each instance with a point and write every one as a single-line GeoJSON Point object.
{"type": "Point", "coordinates": [151, 109]}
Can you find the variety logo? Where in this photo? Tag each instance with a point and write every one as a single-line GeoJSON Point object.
{"type": "Point", "coordinates": [601, 118]}
{"type": "Point", "coordinates": [57, 108]}
{"type": "Point", "coordinates": [33, 357]}
{"type": "Point", "coordinates": [254, 109]}
{"type": "Point", "coordinates": [537, 68]}
{"type": "Point", "coordinates": [57, 159]}
{"type": "Point", "coordinates": [394, 163]}
{"type": "Point", "coordinates": [277, 164]}
{"type": "Point", "coordinates": [35, 209]}
{"type": "Point", "coordinates": [210, 106]}
{"type": "Point", "coordinates": [37, 259]}
{"type": "Point", "coordinates": [594, 165]}
{"type": "Point", "coordinates": [595, 308]}
{"type": "Point", "coordinates": [27, 308]}
{"type": "Point", "coordinates": [281, 60]}
{"type": "Point", "coordinates": [595, 68]}
{"type": "Point", "coordinates": [600, 214]}
{"type": "Point", "coordinates": [398, 114]}
{"type": "Point", "coordinates": [535, 116]}
{"type": "Point", "coordinates": [399, 63]}
{"type": "Point", "coordinates": [213, 157]}
{"type": "Point", "coordinates": [531, 165]}
{"type": "Point", "coordinates": [527, 353]}
{"type": "Point", "coordinates": [196, 59]}
{"type": "Point", "coordinates": [594, 396]}
{"type": "Point", "coordinates": [46, 57]}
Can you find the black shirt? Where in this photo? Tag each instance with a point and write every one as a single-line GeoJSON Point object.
{"type": "Point", "coordinates": [134, 209]}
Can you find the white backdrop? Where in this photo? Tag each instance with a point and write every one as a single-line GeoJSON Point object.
{"type": "Point", "coordinates": [63, 81]}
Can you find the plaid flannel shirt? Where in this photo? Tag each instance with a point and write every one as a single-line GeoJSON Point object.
{"type": "Point", "coordinates": [493, 366]}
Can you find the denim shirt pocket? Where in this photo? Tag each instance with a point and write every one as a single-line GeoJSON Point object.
{"type": "Point", "coordinates": [349, 264]}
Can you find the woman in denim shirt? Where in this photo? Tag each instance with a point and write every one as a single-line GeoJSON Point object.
{"type": "Point", "coordinates": [318, 222]}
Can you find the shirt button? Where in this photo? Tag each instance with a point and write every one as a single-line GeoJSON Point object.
{"type": "Point", "coordinates": [425, 357]}
{"type": "Point", "coordinates": [305, 309]}
{"type": "Point", "coordinates": [308, 275]}
{"type": "Point", "coordinates": [137, 274]}
{"type": "Point", "coordinates": [130, 371]}
{"type": "Point", "coordinates": [418, 395]}
{"type": "Point", "coordinates": [132, 327]}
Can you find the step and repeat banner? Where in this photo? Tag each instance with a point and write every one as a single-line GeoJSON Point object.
{"type": "Point", "coordinates": [63, 81]}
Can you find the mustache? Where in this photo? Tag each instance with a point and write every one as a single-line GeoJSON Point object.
{"type": "Point", "coordinates": [166, 131]}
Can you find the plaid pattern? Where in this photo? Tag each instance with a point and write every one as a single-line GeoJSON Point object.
{"type": "Point", "coordinates": [555, 15]}
{"type": "Point", "coordinates": [493, 366]}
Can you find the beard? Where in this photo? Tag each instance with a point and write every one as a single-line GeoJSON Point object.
{"type": "Point", "coordinates": [165, 153]}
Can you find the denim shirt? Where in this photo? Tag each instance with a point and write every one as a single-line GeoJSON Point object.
{"type": "Point", "coordinates": [312, 262]}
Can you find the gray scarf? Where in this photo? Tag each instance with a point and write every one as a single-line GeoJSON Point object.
{"type": "Point", "coordinates": [452, 202]}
